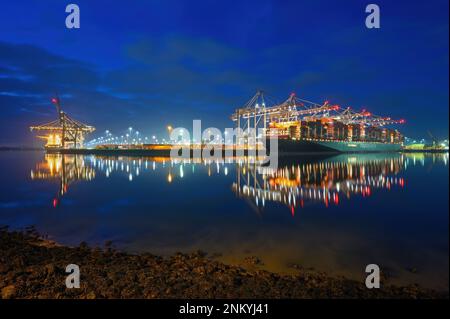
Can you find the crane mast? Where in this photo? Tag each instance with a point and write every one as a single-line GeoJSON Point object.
{"type": "Point", "coordinates": [64, 132]}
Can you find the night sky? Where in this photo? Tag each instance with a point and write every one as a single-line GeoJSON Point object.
{"type": "Point", "coordinates": [147, 64]}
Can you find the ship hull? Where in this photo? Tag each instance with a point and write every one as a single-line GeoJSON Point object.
{"type": "Point", "coordinates": [316, 146]}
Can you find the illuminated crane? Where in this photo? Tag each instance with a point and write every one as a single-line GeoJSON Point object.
{"type": "Point", "coordinates": [297, 118]}
{"type": "Point", "coordinates": [284, 114]}
{"type": "Point", "coordinates": [348, 116]}
{"type": "Point", "coordinates": [64, 132]}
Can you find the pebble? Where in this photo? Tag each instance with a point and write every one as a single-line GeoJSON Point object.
{"type": "Point", "coordinates": [8, 292]}
{"type": "Point", "coordinates": [40, 274]}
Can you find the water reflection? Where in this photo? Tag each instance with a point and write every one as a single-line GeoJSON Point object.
{"type": "Point", "coordinates": [323, 181]}
{"type": "Point", "coordinates": [336, 213]}
{"type": "Point", "coordinates": [64, 168]}
{"type": "Point", "coordinates": [296, 183]}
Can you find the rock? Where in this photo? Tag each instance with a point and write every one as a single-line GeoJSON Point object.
{"type": "Point", "coordinates": [199, 270]}
{"type": "Point", "coordinates": [50, 269]}
{"type": "Point", "coordinates": [8, 292]}
{"type": "Point", "coordinates": [253, 260]}
{"type": "Point", "coordinates": [3, 268]}
{"type": "Point", "coordinates": [91, 295]}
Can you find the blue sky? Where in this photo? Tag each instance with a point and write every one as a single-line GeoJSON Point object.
{"type": "Point", "coordinates": [150, 63]}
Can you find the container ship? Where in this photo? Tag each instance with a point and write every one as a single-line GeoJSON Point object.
{"type": "Point", "coordinates": [300, 126]}
{"type": "Point", "coordinates": [304, 126]}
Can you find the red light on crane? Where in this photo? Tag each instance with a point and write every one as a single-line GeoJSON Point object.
{"type": "Point", "coordinates": [335, 107]}
{"type": "Point", "coordinates": [54, 100]}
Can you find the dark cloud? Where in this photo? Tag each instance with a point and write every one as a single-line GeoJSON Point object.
{"type": "Point", "coordinates": [176, 81]}
{"type": "Point", "coordinates": [30, 76]}
{"type": "Point", "coordinates": [43, 68]}
{"type": "Point", "coordinates": [200, 52]}
{"type": "Point", "coordinates": [184, 72]}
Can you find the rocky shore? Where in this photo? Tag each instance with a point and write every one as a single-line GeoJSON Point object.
{"type": "Point", "coordinates": [31, 267]}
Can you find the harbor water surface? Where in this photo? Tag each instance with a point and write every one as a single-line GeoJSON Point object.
{"type": "Point", "coordinates": [335, 214]}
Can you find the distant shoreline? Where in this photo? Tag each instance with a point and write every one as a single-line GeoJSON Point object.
{"type": "Point", "coordinates": [165, 152]}
{"type": "Point", "coordinates": [20, 148]}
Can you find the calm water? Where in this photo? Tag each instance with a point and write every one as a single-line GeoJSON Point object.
{"type": "Point", "coordinates": [336, 214]}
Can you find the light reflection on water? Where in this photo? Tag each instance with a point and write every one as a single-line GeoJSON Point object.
{"type": "Point", "coordinates": [336, 214]}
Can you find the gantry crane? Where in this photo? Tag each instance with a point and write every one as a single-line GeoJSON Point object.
{"type": "Point", "coordinates": [293, 115]}
{"type": "Point", "coordinates": [349, 116]}
{"type": "Point", "coordinates": [63, 132]}
{"type": "Point", "coordinates": [292, 110]}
